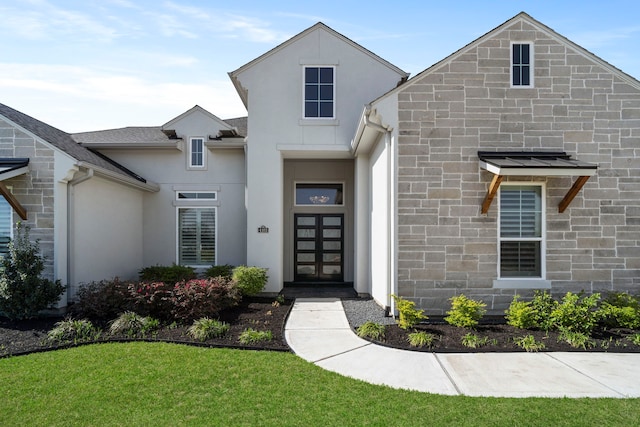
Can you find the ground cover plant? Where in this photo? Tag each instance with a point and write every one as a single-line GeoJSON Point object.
{"type": "Point", "coordinates": [138, 384]}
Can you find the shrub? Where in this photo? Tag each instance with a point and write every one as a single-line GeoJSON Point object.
{"type": "Point", "coordinates": [421, 339]}
{"type": "Point", "coordinates": [73, 330]}
{"type": "Point", "coordinates": [250, 280]}
{"type": "Point", "coordinates": [529, 343]}
{"type": "Point", "coordinates": [465, 312]}
{"type": "Point", "coordinates": [206, 328]}
{"type": "Point", "coordinates": [371, 330]}
{"type": "Point", "coordinates": [576, 313]}
{"type": "Point", "coordinates": [473, 341]}
{"type": "Point", "coordinates": [576, 339]}
{"type": "Point", "coordinates": [634, 339]}
{"type": "Point", "coordinates": [543, 304]}
{"type": "Point", "coordinates": [225, 271]}
{"type": "Point", "coordinates": [152, 299]}
{"type": "Point", "coordinates": [169, 274]}
{"type": "Point", "coordinates": [23, 292]}
{"type": "Point", "coordinates": [251, 336]}
{"type": "Point", "coordinates": [620, 310]}
{"type": "Point", "coordinates": [409, 315]}
{"type": "Point", "coordinates": [102, 300]}
{"type": "Point", "coordinates": [203, 298]}
{"type": "Point", "coordinates": [132, 324]}
{"type": "Point", "coordinates": [521, 314]}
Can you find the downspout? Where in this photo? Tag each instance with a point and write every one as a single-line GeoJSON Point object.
{"type": "Point", "coordinates": [386, 131]}
{"type": "Point", "coordinates": [70, 219]}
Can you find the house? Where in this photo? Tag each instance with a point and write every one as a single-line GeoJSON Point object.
{"type": "Point", "coordinates": [511, 165]}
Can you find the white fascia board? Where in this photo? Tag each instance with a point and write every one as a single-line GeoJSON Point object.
{"type": "Point", "coordinates": [13, 173]}
{"type": "Point", "coordinates": [496, 170]}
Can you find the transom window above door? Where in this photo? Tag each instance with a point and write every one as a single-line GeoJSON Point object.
{"type": "Point", "coordinates": [319, 194]}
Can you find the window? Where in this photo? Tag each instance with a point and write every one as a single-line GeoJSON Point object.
{"type": "Point", "coordinates": [194, 195]}
{"type": "Point", "coordinates": [197, 236]}
{"type": "Point", "coordinates": [318, 194]}
{"type": "Point", "coordinates": [319, 92]}
{"type": "Point", "coordinates": [6, 228]}
{"type": "Point", "coordinates": [521, 65]}
{"type": "Point", "coordinates": [521, 231]}
{"type": "Point", "coordinates": [196, 152]}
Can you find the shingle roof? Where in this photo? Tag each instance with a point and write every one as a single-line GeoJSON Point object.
{"type": "Point", "coordinates": [239, 123]}
{"type": "Point", "coordinates": [62, 141]}
{"type": "Point", "coordinates": [124, 135]}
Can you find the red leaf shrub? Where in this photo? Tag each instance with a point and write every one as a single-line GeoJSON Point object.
{"type": "Point", "coordinates": [198, 298]}
{"type": "Point", "coordinates": [102, 300]}
{"type": "Point", "coordinates": [152, 299]}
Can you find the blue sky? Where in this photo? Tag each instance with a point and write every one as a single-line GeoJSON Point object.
{"type": "Point", "coordinates": [99, 64]}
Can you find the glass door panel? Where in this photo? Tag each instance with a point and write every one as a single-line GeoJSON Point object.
{"type": "Point", "coordinates": [319, 247]}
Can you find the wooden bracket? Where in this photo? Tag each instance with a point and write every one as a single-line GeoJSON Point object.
{"type": "Point", "coordinates": [575, 189]}
{"type": "Point", "coordinates": [491, 194]}
{"type": "Point", "coordinates": [15, 204]}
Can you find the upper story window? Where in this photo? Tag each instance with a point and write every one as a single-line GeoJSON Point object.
{"type": "Point", "coordinates": [320, 194]}
{"type": "Point", "coordinates": [521, 65]}
{"type": "Point", "coordinates": [521, 231]}
{"type": "Point", "coordinates": [319, 92]}
{"type": "Point", "coordinates": [196, 153]}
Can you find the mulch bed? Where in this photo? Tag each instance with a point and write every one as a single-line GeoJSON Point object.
{"type": "Point", "coordinates": [501, 338]}
{"type": "Point", "coordinates": [27, 336]}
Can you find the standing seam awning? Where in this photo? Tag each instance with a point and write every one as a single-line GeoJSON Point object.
{"type": "Point", "coordinates": [534, 163]}
{"type": "Point", "coordinates": [10, 168]}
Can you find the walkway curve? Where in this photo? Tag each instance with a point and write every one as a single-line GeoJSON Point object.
{"type": "Point", "coordinates": [318, 331]}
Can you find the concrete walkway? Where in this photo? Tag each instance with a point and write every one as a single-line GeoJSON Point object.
{"type": "Point", "coordinates": [317, 330]}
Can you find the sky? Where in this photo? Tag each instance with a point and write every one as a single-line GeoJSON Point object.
{"type": "Point", "coordinates": [101, 64]}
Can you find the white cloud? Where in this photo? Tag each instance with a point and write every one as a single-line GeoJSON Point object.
{"type": "Point", "coordinates": [78, 99]}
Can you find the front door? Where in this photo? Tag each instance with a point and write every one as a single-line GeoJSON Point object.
{"type": "Point", "coordinates": [319, 243]}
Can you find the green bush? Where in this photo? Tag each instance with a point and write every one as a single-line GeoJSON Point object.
{"type": "Point", "coordinates": [206, 328]}
{"type": "Point", "coordinates": [576, 313]}
{"type": "Point", "coordinates": [250, 280]}
{"type": "Point", "coordinates": [132, 325]}
{"type": "Point", "coordinates": [421, 339]}
{"type": "Point", "coordinates": [23, 292]}
{"type": "Point", "coordinates": [70, 330]}
{"type": "Point", "coordinates": [102, 300]}
{"type": "Point", "coordinates": [620, 310]}
{"type": "Point", "coordinates": [465, 312]}
{"type": "Point", "coordinates": [168, 274]}
{"type": "Point", "coordinates": [529, 343]}
{"type": "Point", "coordinates": [252, 336]}
{"type": "Point", "coordinates": [225, 271]}
{"type": "Point", "coordinates": [409, 315]}
{"type": "Point", "coordinates": [371, 330]}
{"type": "Point", "coordinates": [576, 339]}
{"type": "Point", "coordinates": [543, 305]}
{"type": "Point", "coordinates": [474, 341]}
{"type": "Point", "coordinates": [521, 314]}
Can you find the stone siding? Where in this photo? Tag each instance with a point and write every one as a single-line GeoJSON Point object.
{"type": "Point", "coordinates": [446, 246]}
{"type": "Point", "coordinates": [33, 190]}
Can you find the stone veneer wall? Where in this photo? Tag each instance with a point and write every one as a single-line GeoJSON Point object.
{"type": "Point", "coordinates": [33, 190]}
{"type": "Point", "coordinates": [446, 246]}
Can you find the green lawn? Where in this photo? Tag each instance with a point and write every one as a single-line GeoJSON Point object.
{"type": "Point", "coordinates": [156, 384]}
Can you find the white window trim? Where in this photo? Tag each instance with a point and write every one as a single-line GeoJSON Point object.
{"type": "Point", "coordinates": [531, 66]}
{"type": "Point", "coordinates": [190, 164]}
{"type": "Point", "coordinates": [295, 186]}
{"type": "Point", "coordinates": [215, 209]}
{"type": "Point", "coordinates": [327, 120]}
{"type": "Point", "coordinates": [214, 193]}
{"type": "Point", "coordinates": [526, 282]}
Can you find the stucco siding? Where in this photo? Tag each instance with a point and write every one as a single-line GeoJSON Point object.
{"type": "Point", "coordinates": [578, 105]}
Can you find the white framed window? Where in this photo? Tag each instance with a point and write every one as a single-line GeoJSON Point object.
{"type": "Point", "coordinates": [197, 195]}
{"type": "Point", "coordinates": [319, 92]}
{"type": "Point", "coordinates": [521, 231]}
{"type": "Point", "coordinates": [319, 194]}
{"type": "Point", "coordinates": [6, 226]}
{"type": "Point", "coordinates": [197, 236]}
{"type": "Point", "coordinates": [197, 153]}
{"type": "Point", "coordinates": [522, 65]}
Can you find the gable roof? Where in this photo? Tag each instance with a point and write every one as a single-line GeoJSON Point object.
{"type": "Point", "coordinates": [169, 125]}
{"type": "Point", "coordinates": [318, 26]}
{"type": "Point", "coordinates": [64, 142]}
{"type": "Point", "coordinates": [522, 16]}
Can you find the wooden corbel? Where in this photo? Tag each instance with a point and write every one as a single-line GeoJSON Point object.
{"type": "Point", "coordinates": [575, 189]}
{"type": "Point", "coordinates": [15, 204]}
{"type": "Point", "coordinates": [491, 194]}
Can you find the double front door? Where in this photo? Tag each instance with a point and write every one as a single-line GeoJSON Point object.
{"type": "Point", "coordinates": [319, 247]}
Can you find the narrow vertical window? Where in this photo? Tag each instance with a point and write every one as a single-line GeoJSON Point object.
{"type": "Point", "coordinates": [197, 236]}
{"type": "Point", "coordinates": [196, 152]}
{"type": "Point", "coordinates": [521, 228]}
{"type": "Point", "coordinates": [319, 92]}
{"type": "Point", "coordinates": [521, 65]}
{"type": "Point", "coordinates": [6, 226]}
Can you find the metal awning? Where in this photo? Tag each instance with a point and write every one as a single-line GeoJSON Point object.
{"type": "Point", "coordinates": [10, 168]}
{"type": "Point", "coordinates": [534, 163]}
